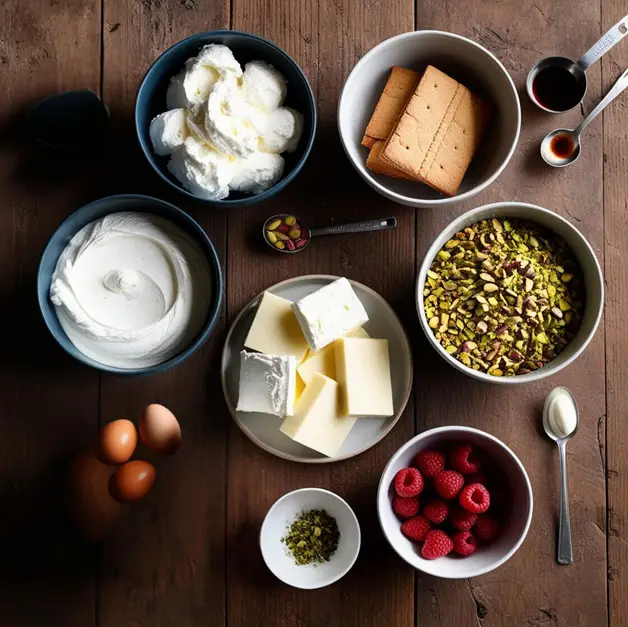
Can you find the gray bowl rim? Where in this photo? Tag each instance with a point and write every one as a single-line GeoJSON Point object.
{"type": "Point", "coordinates": [254, 198]}
{"type": "Point", "coordinates": [483, 434]}
{"type": "Point", "coordinates": [444, 201]}
{"type": "Point", "coordinates": [213, 314]}
{"type": "Point", "coordinates": [466, 219]}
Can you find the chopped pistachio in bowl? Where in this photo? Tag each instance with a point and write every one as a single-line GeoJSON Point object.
{"type": "Point", "coordinates": [510, 293]}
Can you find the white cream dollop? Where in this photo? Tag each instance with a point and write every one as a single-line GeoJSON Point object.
{"type": "Point", "coordinates": [258, 172]}
{"type": "Point", "coordinates": [192, 85]}
{"type": "Point", "coordinates": [204, 172]}
{"type": "Point", "coordinates": [168, 131]}
{"type": "Point", "coordinates": [264, 86]}
{"type": "Point", "coordinates": [562, 416]}
{"type": "Point", "coordinates": [131, 290]}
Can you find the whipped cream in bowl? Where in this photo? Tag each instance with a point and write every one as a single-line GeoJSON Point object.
{"type": "Point", "coordinates": [226, 117]}
{"type": "Point", "coordinates": [130, 284]}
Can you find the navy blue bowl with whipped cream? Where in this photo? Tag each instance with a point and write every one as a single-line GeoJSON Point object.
{"type": "Point", "coordinates": [130, 285]}
{"type": "Point", "coordinates": [226, 118]}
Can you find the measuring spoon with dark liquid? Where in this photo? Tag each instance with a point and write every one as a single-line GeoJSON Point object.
{"type": "Point", "coordinates": [557, 84]}
{"type": "Point", "coordinates": [562, 146]}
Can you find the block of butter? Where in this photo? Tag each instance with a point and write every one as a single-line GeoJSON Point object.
{"type": "Point", "coordinates": [363, 372]}
{"type": "Point", "coordinates": [275, 329]}
{"type": "Point", "coordinates": [324, 360]}
{"type": "Point", "coordinates": [317, 422]}
{"type": "Point", "coordinates": [329, 313]}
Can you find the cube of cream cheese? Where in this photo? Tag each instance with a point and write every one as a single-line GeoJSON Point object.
{"type": "Point", "coordinates": [275, 329]}
{"type": "Point", "coordinates": [363, 372]}
{"type": "Point", "coordinates": [268, 384]}
{"type": "Point", "coordinates": [317, 422]}
{"type": "Point", "coordinates": [329, 313]}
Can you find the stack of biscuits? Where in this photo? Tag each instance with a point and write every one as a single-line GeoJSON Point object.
{"type": "Point", "coordinates": [426, 127]}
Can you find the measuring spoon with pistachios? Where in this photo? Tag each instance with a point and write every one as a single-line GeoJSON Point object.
{"type": "Point", "coordinates": [288, 234]}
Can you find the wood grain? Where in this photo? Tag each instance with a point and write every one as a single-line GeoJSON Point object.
{"type": "Point", "coordinates": [531, 589]}
{"type": "Point", "coordinates": [616, 240]}
{"type": "Point", "coordinates": [165, 566]}
{"type": "Point", "coordinates": [48, 400]}
{"type": "Point", "coordinates": [326, 39]}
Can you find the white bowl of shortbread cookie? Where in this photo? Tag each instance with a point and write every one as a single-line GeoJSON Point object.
{"type": "Point", "coordinates": [429, 118]}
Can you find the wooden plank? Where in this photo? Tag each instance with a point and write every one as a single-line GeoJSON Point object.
{"type": "Point", "coordinates": [531, 589]}
{"type": "Point", "coordinates": [48, 399]}
{"type": "Point", "coordinates": [326, 39]}
{"type": "Point", "coordinates": [616, 239]}
{"type": "Point", "coordinates": [165, 566]}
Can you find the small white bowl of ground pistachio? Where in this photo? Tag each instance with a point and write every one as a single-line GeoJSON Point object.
{"type": "Point", "coordinates": [310, 538]}
{"type": "Point", "coordinates": [510, 293]}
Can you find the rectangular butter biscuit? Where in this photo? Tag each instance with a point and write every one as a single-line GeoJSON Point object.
{"type": "Point", "coordinates": [375, 163]}
{"type": "Point", "coordinates": [438, 132]}
{"type": "Point", "coordinates": [399, 87]}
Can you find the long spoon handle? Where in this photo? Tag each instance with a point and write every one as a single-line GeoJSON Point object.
{"type": "Point", "coordinates": [616, 89]}
{"type": "Point", "coordinates": [357, 227]}
{"type": "Point", "coordinates": [604, 43]}
{"type": "Point", "coordinates": [565, 552]}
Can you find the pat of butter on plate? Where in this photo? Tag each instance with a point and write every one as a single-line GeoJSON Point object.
{"type": "Point", "coordinates": [317, 421]}
{"type": "Point", "coordinates": [363, 372]}
{"type": "Point", "coordinates": [275, 329]}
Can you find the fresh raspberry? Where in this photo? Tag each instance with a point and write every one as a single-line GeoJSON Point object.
{"type": "Point", "coordinates": [436, 511]}
{"type": "Point", "coordinates": [464, 543]}
{"type": "Point", "coordinates": [408, 482]}
{"type": "Point", "coordinates": [448, 483]}
{"type": "Point", "coordinates": [461, 519]}
{"type": "Point", "coordinates": [475, 498]}
{"type": "Point", "coordinates": [437, 544]}
{"type": "Point", "coordinates": [464, 460]}
{"type": "Point", "coordinates": [416, 528]}
{"type": "Point", "coordinates": [487, 528]}
{"type": "Point", "coordinates": [405, 507]}
{"type": "Point", "coordinates": [430, 463]}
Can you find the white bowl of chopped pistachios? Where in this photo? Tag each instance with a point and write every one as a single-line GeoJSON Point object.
{"type": "Point", "coordinates": [310, 538]}
{"type": "Point", "coordinates": [510, 293]}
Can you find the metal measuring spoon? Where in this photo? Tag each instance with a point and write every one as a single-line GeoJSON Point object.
{"type": "Point", "coordinates": [562, 146]}
{"type": "Point", "coordinates": [565, 552]}
{"type": "Point", "coordinates": [286, 233]}
{"type": "Point", "coordinates": [573, 72]}
{"type": "Point", "coordinates": [70, 120]}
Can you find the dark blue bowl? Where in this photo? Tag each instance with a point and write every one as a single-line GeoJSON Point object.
{"type": "Point", "coordinates": [151, 101]}
{"type": "Point", "coordinates": [98, 209]}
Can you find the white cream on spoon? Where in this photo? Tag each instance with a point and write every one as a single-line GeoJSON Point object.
{"type": "Point", "coordinates": [560, 421]}
{"type": "Point", "coordinates": [561, 413]}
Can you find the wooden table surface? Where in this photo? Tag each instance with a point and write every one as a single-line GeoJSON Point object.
{"type": "Point", "coordinates": [187, 556]}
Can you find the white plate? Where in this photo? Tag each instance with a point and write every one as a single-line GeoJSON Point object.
{"type": "Point", "coordinates": [263, 429]}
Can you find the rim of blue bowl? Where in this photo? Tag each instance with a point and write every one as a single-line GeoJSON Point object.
{"type": "Point", "coordinates": [253, 198]}
{"type": "Point", "coordinates": [213, 315]}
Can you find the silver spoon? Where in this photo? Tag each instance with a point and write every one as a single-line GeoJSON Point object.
{"type": "Point", "coordinates": [571, 74]}
{"type": "Point", "coordinates": [562, 146]}
{"type": "Point", "coordinates": [279, 235]}
{"type": "Point", "coordinates": [565, 551]}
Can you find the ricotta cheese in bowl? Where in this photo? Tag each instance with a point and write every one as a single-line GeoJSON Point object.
{"type": "Point", "coordinates": [226, 127]}
{"type": "Point", "coordinates": [132, 290]}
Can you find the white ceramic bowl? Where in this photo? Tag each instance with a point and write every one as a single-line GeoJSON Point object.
{"type": "Point", "coordinates": [463, 59]}
{"type": "Point", "coordinates": [486, 558]}
{"type": "Point", "coordinates": [593, 284]}
{"type": "Point", "coordinates": [278, 520]}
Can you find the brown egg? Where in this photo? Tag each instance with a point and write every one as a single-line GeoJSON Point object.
{"type": "Point", "coordinates": [91, 506]}
{"type": "Point", "coordinates": [132, 481]}
{"type": "Point", "coordinates": [117, 441]}
{"type": "Point", "coordinates": [160, 430]}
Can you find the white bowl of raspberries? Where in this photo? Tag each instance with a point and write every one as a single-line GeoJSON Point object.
{"type": "Point", "coordinates": [455, 502]}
